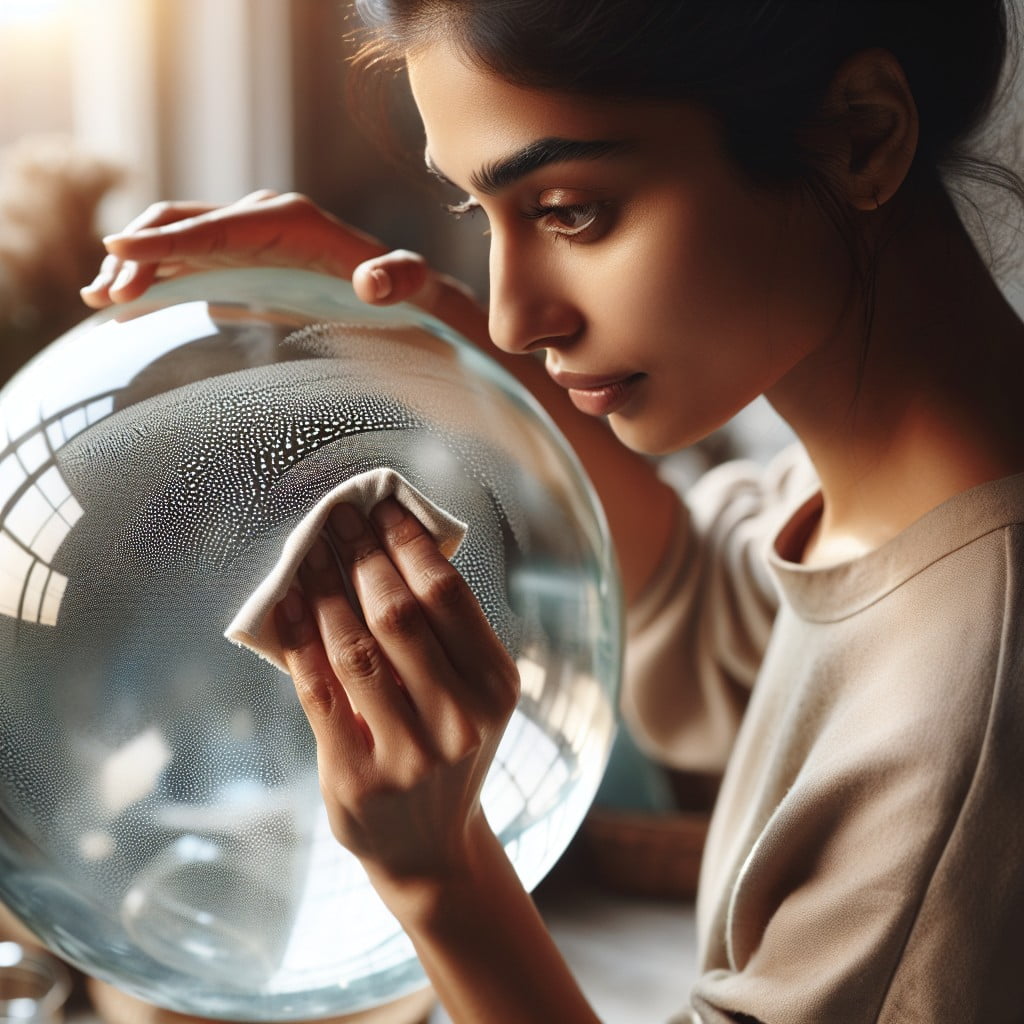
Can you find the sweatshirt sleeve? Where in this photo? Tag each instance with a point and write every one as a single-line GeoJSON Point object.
{"type": "Point", "coordinates": [697, 634]}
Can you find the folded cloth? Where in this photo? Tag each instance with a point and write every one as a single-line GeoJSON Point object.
{"type": "Point", "coordinates": [255, 627]}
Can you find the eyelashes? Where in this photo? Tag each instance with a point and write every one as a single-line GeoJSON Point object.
{"type": "Point", "coordinates": [569, 221]}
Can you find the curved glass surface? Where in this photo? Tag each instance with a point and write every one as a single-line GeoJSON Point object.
{"type": "Point", "coordinates": [160, 820]}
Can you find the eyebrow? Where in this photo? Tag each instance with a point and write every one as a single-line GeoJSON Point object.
{"type": "Point", "coordinates": [500, 174]}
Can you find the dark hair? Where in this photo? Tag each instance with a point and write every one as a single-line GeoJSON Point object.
{"type": "Point", "coordinates": [761, 67]}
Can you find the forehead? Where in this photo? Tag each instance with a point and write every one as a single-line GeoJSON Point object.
{"type": "Point", "coordinates": [472, 116]}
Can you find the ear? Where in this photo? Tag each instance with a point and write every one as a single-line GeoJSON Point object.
{"type": "Point", "coordinates": [874, 117]}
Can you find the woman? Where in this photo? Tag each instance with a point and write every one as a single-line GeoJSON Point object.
{"type": "Point", "coordinates": [690, 205]}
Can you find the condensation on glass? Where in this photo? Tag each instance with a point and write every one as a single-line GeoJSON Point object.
{"type": "Point", "coordinates": [160, 820]}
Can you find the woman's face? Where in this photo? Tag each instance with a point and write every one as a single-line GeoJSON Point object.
{"type": "Point", "coordinates": [667, 291]}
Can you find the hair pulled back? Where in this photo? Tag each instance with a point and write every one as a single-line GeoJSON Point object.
{"type": "Point", "coordinates": [762, 67]}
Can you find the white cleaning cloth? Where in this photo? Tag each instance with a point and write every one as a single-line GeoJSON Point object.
{"type": "Point", "coordinates": [255, 627]}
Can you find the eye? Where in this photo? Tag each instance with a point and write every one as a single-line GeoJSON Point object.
{"type": "Point", "coordinates": [570, 220]}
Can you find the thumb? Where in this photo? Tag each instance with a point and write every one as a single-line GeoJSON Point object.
{"type": "Point", "coordinates": [397, 276]}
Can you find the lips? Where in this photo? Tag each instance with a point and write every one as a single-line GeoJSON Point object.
{"type": "Point", "coordinates": [598, 396]}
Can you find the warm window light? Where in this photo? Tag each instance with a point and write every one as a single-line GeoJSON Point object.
{"type": "Point", "coordinates": [17, 12]}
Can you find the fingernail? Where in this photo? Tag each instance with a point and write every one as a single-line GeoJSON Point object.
{"type": "Point", "coordinates": [388, 513]}
{"type": "Point", "coordinates": [117, 241]}
{"type": "Point", "coordinates": [319, 555]}
{"type": "Point", "coordinates": [382, 284]}
{"type": "Point", "coordinates": [347, 521]}
{"type": "Point", "coordinates": [123, 279]}
{"type": "Point", "coordinates": [293, 607]}
{"type": "Point", "coordinates": [101, 280]}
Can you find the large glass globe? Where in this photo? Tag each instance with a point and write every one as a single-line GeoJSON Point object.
{"type": "Point", "coordinates": [160, 820]}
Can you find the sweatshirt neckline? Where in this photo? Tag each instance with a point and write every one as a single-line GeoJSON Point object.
{"type": "Point", "coordinates": [834, 592]}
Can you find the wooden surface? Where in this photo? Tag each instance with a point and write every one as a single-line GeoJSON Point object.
{"type": "Point", "coordinates": [635, 958]}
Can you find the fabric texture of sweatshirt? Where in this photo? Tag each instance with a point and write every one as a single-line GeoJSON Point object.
{"type": "Point", "coordinates": [866, 855]}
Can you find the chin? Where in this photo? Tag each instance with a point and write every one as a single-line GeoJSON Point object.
{"type": "Point", "coordinates": [644, 438]}
{"type": "Point", "coordinates": [647, 436]}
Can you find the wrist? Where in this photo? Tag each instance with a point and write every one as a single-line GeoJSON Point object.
{"type": "Point", "coordinates": [452, 887]}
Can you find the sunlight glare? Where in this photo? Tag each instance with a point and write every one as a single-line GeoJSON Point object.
{"type": "Point", "coordinates": [23, 12]}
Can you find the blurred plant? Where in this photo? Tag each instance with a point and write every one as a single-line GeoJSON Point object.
{"type": "Point", "coordinates": [49, 244]}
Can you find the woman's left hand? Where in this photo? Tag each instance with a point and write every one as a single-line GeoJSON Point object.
{"type": "Point", "coordinates": [407, 693]}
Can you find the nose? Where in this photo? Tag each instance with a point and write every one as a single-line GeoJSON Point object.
{"type": "Point", "coordinates": [530, 304]}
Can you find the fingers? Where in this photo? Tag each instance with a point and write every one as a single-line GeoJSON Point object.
{"type": "Point", "coordinates": [399, 276]}
{"type": "Point", "coordinates": [410, 649]}
{"type": "Point", "coordinates": [404, 740]}
{"type": "Point", "coordinates": [434, 709]}
{"type": "Point", "coordinates": [485, 672]}
{"type": "Point", "coordinates": [315, 683]}
{"type": "Point", "coordinates": [167, 214]}
{"type": "Point", "coordinates": [202, 236]}
{"type": "Point", "coordinates": [337, 659]}
{"type": "Point", "coordinates": [120, 278]}
{"type": "Point", "coordinates": [396, 617]}
{"type": "Point", "coordinates": [97, 293]}
{"type": "Point", "coordinates": [261, 229]}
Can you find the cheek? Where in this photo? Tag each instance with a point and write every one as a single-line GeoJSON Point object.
{"type": "Point", "coordinates": [681, 295]}
{"type": "Point", "coordinates": [686, 268]}
{"type": "Point", "coordinates": [718, 310]}
{"type": "Point", "coordinates": [750, 284]}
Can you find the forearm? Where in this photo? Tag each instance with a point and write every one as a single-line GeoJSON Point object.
{"type": "Point", "coordinates": [640, 507]}
{"type": "Point", "coordinates": [484, 946]}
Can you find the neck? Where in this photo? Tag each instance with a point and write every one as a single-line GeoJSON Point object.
{"type": "Point", "coordinates": [922, 409]}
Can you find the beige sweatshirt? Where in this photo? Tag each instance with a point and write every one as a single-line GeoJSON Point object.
{"type": "Point", "coordinates": [866, 857]}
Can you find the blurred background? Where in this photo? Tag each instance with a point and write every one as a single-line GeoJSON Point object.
{"type": "Point", "coordinates": [109, 105]}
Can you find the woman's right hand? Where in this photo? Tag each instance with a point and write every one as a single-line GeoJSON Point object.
{"type": "Point", "coordinates": [262, 229]}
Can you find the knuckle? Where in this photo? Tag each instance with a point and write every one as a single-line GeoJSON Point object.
{"type": "Point", "coordinates": [397, 615]}
{"type": "Point", "coordinates": [294, 200]}
{"type": "Point", "coordinates": [219, 237]}
{"type": "Point", "coordinates": [464, 741]}
{"type": "Point", "coordinates": [355, 657]}
{"type": "Point", "coordinates": [315, 691]}
{"type": "Point", "coordinates": [408, 256]}
{"type": "Point", "coordinates": [406, 532]}
{"type": "Point", "coordinates": [443, 588]}
{"type": "Point", "coordinates": [505, 683]}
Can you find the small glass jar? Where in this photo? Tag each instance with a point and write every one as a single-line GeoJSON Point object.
{"type": "Point", "coordinates": [33, 985]}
